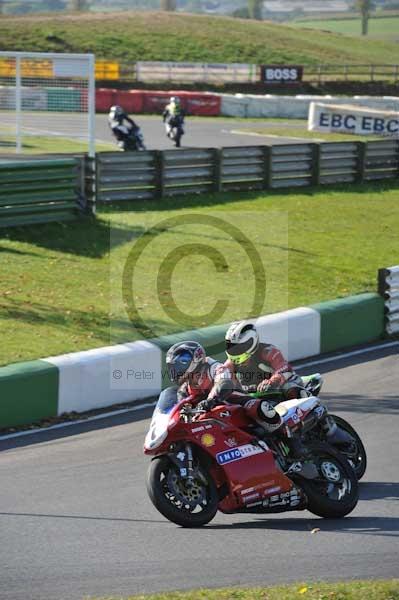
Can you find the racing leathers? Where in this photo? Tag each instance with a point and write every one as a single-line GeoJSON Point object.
{"type": "Point", "coordinates": [267, 369]}
{"type": "Point", "coordinates": [215, 384]}
{"type": "Point", "coordinates": [122, 126]}
{"type": "Point", "coordinates": [173, 116]}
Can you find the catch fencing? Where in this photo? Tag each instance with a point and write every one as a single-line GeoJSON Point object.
{"type": "Point", "coordinates": [156, 174]}
{"type": "Point", "coordinates": [46, 97]}
{"type": "Point", "coordinates": [40, 190]}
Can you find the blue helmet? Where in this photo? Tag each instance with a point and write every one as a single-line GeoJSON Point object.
{"type": "Point", "coordinates": [183, 359]}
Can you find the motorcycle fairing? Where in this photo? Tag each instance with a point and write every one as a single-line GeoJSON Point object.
{"type": "Point", "coordinates": [292, 411]}
{"type": "Point", "coordinates": [238, 458]}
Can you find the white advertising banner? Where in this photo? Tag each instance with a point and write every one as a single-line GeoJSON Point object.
{"type": "Point", "coordinates": [334, 118]}
{"type": "Point", "coordinates": [186, 72]}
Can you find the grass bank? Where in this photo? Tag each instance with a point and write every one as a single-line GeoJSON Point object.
{"type": "Point", "coordinates": [63, 287]}
{"type": "Point", "coordinates": [356, 590]}
{"type": "Point", "coordinates": [380, 27]}
{"type": "Point", "coordinates": [129, 36]}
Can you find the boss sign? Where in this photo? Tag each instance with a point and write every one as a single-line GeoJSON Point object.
{"type": "Point", "coordinates": [281, 73]}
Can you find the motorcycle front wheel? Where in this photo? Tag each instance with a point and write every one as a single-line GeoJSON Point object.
{"type": "Point", "coordinates": [356, 456]}
{"type": "Point", "coordinates": [189, 504]}
{"type": "Point", "coordinates": [334, 493]}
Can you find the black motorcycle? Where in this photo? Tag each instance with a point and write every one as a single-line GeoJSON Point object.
{"type": "Point", "coordinates": [132, 141]}
{"type": "Point", "coordinates": [321, 426]}
{"type": "Point", "coordinates": [174, 129]}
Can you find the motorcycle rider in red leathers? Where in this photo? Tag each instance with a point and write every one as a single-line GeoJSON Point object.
{"type": "Point", "coordinates": [211, 382]}
{"type": "Point", "coordinates": [262, 367]}
{"type": "Point", "coordinates": [259, 367]}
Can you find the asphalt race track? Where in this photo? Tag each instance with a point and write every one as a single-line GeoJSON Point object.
{"type": "Point", "coordinates": [199, 132]}
{"type": "Point", "coordinates": [203, 133]}
{"type": "Point", "coordinates": [75, 519]}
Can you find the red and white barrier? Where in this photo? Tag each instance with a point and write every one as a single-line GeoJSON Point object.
{"type": "Point", "coordinates": [154, 101]}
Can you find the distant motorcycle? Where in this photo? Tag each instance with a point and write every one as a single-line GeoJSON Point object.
{"type": "Point", "coordinates": [132, 140]}
{"type": "Point", "coordinates": [174, 129]}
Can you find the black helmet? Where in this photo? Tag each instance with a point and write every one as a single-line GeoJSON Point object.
{"type": "Point", "coordinates": [184, 358]}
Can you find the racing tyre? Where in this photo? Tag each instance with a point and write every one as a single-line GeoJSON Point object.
{"type": "Point", "coordinates": [334, 493]}
{"type": "Point", "coordinates": [356, 455]}
{"type": "Point", "coordinates": [186, 505]}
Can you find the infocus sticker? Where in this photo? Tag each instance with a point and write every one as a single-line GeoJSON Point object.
{"type": "Point", "coordinates": [239, 453]}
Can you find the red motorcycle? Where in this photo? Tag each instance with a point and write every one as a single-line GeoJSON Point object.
{"type": "Point", "coordinates": [221, 460]}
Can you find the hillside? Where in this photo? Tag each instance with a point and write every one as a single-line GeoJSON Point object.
{"type": "Point", "coordinates": [380, 27]}
{"type": "Point", "coordinates": [132, 36]}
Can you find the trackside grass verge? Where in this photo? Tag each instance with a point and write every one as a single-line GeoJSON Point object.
{"type": "Point", "coordinates": [303, 133]}
{"type": "Point", "coordinates": [43, 144]}
{"type": "Point", "coordinates": [61, 283]}
{"type": "Point", "coordinates": [356, 590]}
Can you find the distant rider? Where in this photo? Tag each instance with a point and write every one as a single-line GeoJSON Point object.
{"type": "Point", "coordinates": [173, 115]}
{"type": "Point", "coordinates": [121, 124]}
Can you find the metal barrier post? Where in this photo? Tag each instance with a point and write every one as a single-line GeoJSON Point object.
{"type": "Point", "coordinates": [315, 164]}
{"type": "Point", "coordinates": [361, 161]}
{"type": "Point", "coordinates": [267, 166]}
{"type": "Point", "coordinates": [160, 173]}
{"type": "Point", "coordinates": [217, 173]}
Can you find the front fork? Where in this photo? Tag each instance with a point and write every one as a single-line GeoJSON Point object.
{"type": "Point", "coordinates": [184, 461]}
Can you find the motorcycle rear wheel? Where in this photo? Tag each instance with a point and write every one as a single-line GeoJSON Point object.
{"type": "Point", "coordinates": [359, 461]}
{"type": "Point", "coordinates": [334, 494]}
{"type": "Point", "coordinates": [186, 506]}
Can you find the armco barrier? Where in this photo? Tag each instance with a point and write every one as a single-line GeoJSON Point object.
{"type": "Point", "coordinates": [28, 392]}
{"type": "Point", "coordinates": [201, 170]}
{"type": "Point", "coordinates": [39, 191]}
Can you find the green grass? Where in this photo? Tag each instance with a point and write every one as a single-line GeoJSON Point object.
{"type": "Point", "coordinates": [61, 283]}
{"type": "Point", "coordinates": [132, 36]}
{"type": "Point", "coordinates": [303, 133]}
{"type": "Point", "coordinates": [386, 28]}
{"type": "Point", "coordinates": [43, 144]}
{"type": "Point", "coordinates": [356, 590]}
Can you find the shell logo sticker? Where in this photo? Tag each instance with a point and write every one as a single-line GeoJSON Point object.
{"type": "Point", "coordinates": [208, 440]}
